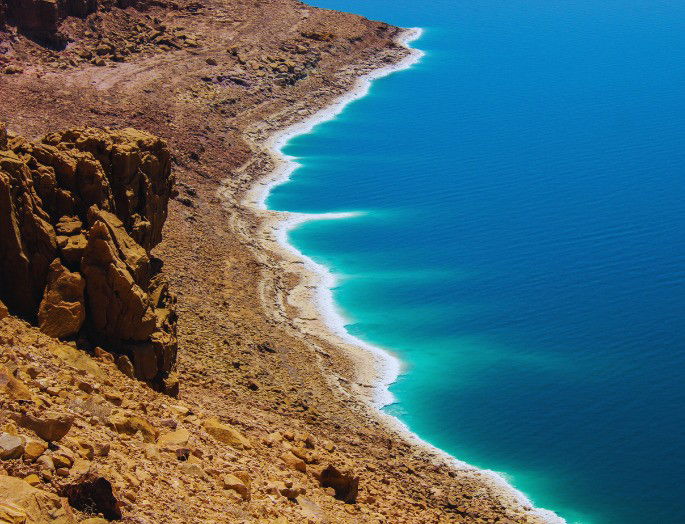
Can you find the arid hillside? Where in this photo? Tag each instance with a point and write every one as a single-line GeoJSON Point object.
{"type": "Point", "coordinates": [152, 368]}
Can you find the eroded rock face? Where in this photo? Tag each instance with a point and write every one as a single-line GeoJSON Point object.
{"type": "Point", "coordinates": [40, 19]}
{"type": "Point", "coordinates": [80, 212]}
{"type": "Point", "coordinates": [62, 310]}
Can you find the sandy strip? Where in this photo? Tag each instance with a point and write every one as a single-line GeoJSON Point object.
{"type": "Point", "coordinates": [318, 316]}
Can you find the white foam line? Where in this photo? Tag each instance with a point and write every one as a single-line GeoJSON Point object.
{"type": "Point", "coordinates": [388, 365]}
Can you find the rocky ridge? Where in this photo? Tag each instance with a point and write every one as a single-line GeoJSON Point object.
{"type": "Point", "coordinates": [80, 212]}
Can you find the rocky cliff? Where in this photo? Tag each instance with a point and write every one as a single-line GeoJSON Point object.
{"type": "Point", "coordinates": [41, 19]}
{"type": "Point", "coordinates": [80, 212]}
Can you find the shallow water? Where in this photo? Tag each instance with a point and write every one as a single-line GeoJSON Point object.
{"type": "Point", "coordinates": [522, 247]}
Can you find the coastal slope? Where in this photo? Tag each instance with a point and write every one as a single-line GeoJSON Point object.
{"type": "Point", "coordinates": [271, 422]}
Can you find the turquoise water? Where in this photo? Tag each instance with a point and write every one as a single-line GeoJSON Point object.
{"type": "Point", "coordinates": [522, 248]}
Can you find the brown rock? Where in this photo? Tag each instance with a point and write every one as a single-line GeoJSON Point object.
{"type": "Point", "coordinates": [132, 425]}
{"type": "Point", "coordinates": [80, 467]}
{"type": "Point", "coordinates": [62, 311]}
{"type": "Point", "coordinates": [40, 19]}
{"type": "Point", "coordinates": [174, 439]}
{"type": "Point", "coordinates": [125, 366]}
{"type": "Point", "coordinates": [49, 425]}
{"type": "Point", "coordinates": [120, 180]}
{"type": "Point", "coordinates": [12, 387]}
{"type": "Point", "coordinates": [119, 306]}
{"type": "Point", "coordinates": [45, 462]}
{"type": "Point", "coordinates": [144, 361]}
{"type": "Point", "coordinates": [27, 240]}
{"type": "Point", "coordinates": [34, 449]}
{"type": "Point", "coordinates": [237, 485]}
{"type": "Point", "coordinates": [21, 502]}
{"type": "Point", "coordinates": [286, 489]}
{"type": "Point", "coordinates": [71, 249]}
{"type": "Point", "coordinates": [62, 460]}
{"type": "Point", "coordinates": [171, 384]}
{"type": "Point", "coordinates": [77, 359]}
{"type": "Point", "coordinates": [3, 311]}
{"type": "Point", "coordinates": [192, 469]}
{"type": "Point", "coordinates": [102, 448]}
{"type": "Point", "coordinates": [32, 479]}
{"type": "Point", "coordinates": [11, 446]}
{"type": "Point", "coordinates": [151, 452]}
{"type": "Point", "coordinates": [226, 434]}
{"type": "Point", "coordinates": [84, 448]}
{"type": "Point", "coordinates": [294, 462]}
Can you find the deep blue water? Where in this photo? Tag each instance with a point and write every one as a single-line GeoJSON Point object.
{"type": "Point", "coordinates": [523, 248]}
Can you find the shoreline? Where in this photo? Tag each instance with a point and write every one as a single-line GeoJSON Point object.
{"type": "Point", "coordinates": [375, 368]}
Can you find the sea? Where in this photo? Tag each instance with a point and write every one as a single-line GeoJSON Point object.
{"type": "Point", "coordinates": [519, 241]}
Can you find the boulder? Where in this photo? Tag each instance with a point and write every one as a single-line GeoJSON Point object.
{"type": "Point", "coordinates": [192, 469]}
{"type": "Point", "coordinates": [71, 240]}
{"type": "Point", "coordinates": [234, 483]}
{"type": "Point", "coordinates": [27, 240]}
{"type": "Point", "coordinates": [226, 434]}
{"type": "Point", "coordinates": [48, 425]}
{"type": "Point", "coordinates": [38, 19]}
{"type": "Point", "coordinates": [11, 446]}
{"type": "Point", "coordinates": [125, 366]}
{"type": "Point", "coordinates": [174, 439]}
{"type": "Point", "coordinates": [32, 479]}
{"type": "Point", "coordinates": [144, 361]}
{"type": "Point", "coordinates": [294, 462]}
{"type": "Point", "coordinates": [12, 387]}
{"type": "Point", "coordinates": [62, 310]}
{"type": "Point", "coordinates": [119, 306]}
{"type": "Point", "coordinates": [286, 489]}
{"type": "Point", "coordinates": [77, 359]}
{"type": "Point", "coordinates": [34, 449]}
{"type": "Point", "coordinates": [3, 311]}
{"type": "Point", "coordinates": [20, 502]}
{"type": "Point", "coordinates": [131, 425]}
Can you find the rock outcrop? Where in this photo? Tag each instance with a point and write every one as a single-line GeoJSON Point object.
{"type": "Point", "coordinates": [80, 212]}
{"type": "Point", "coordinates": [40, 19]}
{"type": "Point", "coordinates": [62, 310]}
{"type": "Point", "coordinates": [21, 502]}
